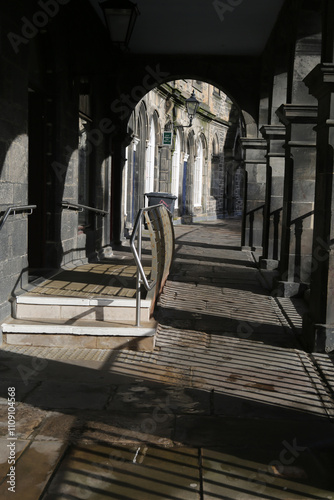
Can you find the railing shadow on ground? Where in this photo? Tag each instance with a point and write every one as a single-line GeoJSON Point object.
{"type": "Point", "coordinates": [275, 218]}
{"type": "Point", "coordinates": [298, 224]}
{"type": "Point", "coordinates": [140, 422]}
{"type": "Point", "coordinates": [248, 223]}
{"type": "Point", "coordinates": [213, 260]}
{"type": "Point", "coordinates": [201, 414]}
{"type": "Point", "coordinates": [266, 329]}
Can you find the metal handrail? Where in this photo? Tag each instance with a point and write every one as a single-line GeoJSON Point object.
{"type": "Point", "coordinates": [13, 209]}
{"type": "Point", "coordinates": [141, 277]}
{"type": "Point", "coordinates": [81, 208]}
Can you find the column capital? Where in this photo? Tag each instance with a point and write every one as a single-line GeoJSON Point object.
{"type": "Point", "coordinates": [275, 136]}
{"type": "Point", "coordinates": [253, 143]}
{"type": "Point", "coordinates": [320, 81]}
{"type": "Point", "coordinates": [255, 150]}
{"type": "Point", "coordinates": [135, 142]}
{"type": "Point", "coordinates": [297, 113]}
{"type": "Point", "coordinates": [273, 131]}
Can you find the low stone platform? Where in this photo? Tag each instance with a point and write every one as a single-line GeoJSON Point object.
{"type": "Point", "coordinates": [80, 334]}
{"type": "Point", "coordinates": [91, 305]}
{"type": "Point", "coordinates": [109, 278]}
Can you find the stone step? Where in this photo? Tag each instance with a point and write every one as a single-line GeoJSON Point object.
{"type": "Point", "coordinates": [30, 306]}
{"type": "Point", "coordinates": [79, 333]}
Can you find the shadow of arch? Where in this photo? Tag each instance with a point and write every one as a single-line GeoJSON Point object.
{"type": "Point", "coordinates": [13, 168]}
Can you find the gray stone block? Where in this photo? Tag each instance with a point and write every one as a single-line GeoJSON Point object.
{"type": "Point", "coordinates": [17, 158]}
{"type": "Point", "coordinates": [5, 249]}
{"type": "Point", "coordinates": [6, 194]}
{"type": "Point", "coordinates": [5, 312]}
{"type": "Point", "coordinates": [324, 338]}
{"type": "Point", "coordinates": [256, 191]}
{"type": "Point", "coordinates": [19, 237]}
{"type": "Point", "coordinates": [20, 194]}
{"type": "Point", "coordinates": [269, 264]}
{"type": "Point", "coordinates": [304, 191]}
{"type": "Point", "coordinates": [6, 289]}
{"type": "Point", "coordinates": [277, 186]}
{"type": "Point", "coordinates": [289, 289]}
{"type": "Point", "coordinates": [317, 337]}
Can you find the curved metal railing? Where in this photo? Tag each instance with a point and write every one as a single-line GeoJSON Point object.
{"type": "Point", "coordinates": [15, 209]}
{"type": "Point", "coordinates": [141, 276]}
{"type": "Point", "coordinates": [81, 208]}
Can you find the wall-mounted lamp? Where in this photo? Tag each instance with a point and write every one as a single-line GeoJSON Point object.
{"type": "Point", "coordinates": [191, 107]}
{"type": "Point", "coordinates": [120, 16]}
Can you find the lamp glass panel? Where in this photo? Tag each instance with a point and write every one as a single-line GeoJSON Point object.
{"type": "Point", "coordinates": [118, 22]}
{"type": "Point", "coordinates": [192, 108]}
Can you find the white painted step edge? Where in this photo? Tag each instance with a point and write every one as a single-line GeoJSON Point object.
{"type": "Point", "coordinates": [79, 330]}
{"type": "Point", "coordinates": [75, 301]}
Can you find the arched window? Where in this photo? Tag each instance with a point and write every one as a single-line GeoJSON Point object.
{"type": "Point", "coordinates": [150, 155]}
{"type": "Point", "coordinates": [176, 168]}
{"type": "Point", "coordinates": [198, 172]}
{"type": "Point", "coordinates": [215, 172]}
{"type": "Point", "coordinates": [215, 146]}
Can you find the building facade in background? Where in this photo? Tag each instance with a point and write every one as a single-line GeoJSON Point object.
{"type": "Point", "coordinates": [202, 166]}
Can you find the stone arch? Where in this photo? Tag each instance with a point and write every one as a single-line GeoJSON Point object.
{"type": "Point", "coordinates": [251, 127]}
{"type": "Point", "coordinates": [150, 156]}
{"type": "Point", "coordinates": [240, 82]}
{"type": "Point", "coordinates": [187, 197]}
{"type": "Point", "coordinates": [140, 159]}
{"type": "Point", "coordinates": [200, 167]}
{"type": "Point", "coordinates": [203, 139]}
{"type": "Point", "coordinates": [176, 164]}
{"type": "Point", "coordinates": [215, 167]}
{"type": "Point", "coordinates": [215, 145]}
{"type": "Point", "coordinates": [157, 126]}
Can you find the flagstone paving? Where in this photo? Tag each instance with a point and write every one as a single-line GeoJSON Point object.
{"type": "Point", "coordinates": [227, 405]}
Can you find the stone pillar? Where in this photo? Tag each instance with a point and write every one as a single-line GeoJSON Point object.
{"type": "Point", "coordinates": [272, 228]}
{"type": "Point", "coordinates": [319, 324]}
{"type": "Point", "coordinates": [255, 192]}
{"type": "Point", "coordinates": [184, 209]}
{"type": "Point", "coordinates": [118, 159]}
{"type": "Point", "coordinates": [239, 180]}
{"type": "Point", "coordinates": [298, 202]}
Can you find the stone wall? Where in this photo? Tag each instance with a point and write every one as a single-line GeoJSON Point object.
{"type": "Point", "coordinates": [13, 165]}
{"type": "Point", "coordinates": [39, 95]}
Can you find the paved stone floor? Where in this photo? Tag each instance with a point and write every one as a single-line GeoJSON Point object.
{"type": "Point", "coordinates": [105, 280]}
{"type": "Point", "coordinates": [227, 406]}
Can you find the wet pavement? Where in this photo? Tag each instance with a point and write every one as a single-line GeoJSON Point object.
{"type": "Point", "coordinates": [227, 406]}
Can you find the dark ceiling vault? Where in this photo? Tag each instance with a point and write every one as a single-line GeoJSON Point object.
{"type": "Point", "coordinates": [217, 27]}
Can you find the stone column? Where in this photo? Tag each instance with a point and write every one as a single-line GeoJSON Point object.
{"type": "Point", "coordinates": [118, 162]}
{"type": "Point", "coordinates": [255, 192]}
{"type": "Point", "coordinates": [319, 324]}
{"type": "Point", "coordinates": [184, 209]}
{"type": "Point", "coordinates": [272, 229]}
{"type": "Point", "coordinates": [298, 202]}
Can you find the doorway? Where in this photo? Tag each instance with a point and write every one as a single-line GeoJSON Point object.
{"type": "Point", "coordinates": [37, 182]}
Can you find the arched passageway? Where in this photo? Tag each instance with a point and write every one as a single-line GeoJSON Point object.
{"type": "Point", "coordinates": [201, 165]}
{"type": "Point", "coordinates": [277, 77]}
{"type": "Point", "coordinates": [224, 404]}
